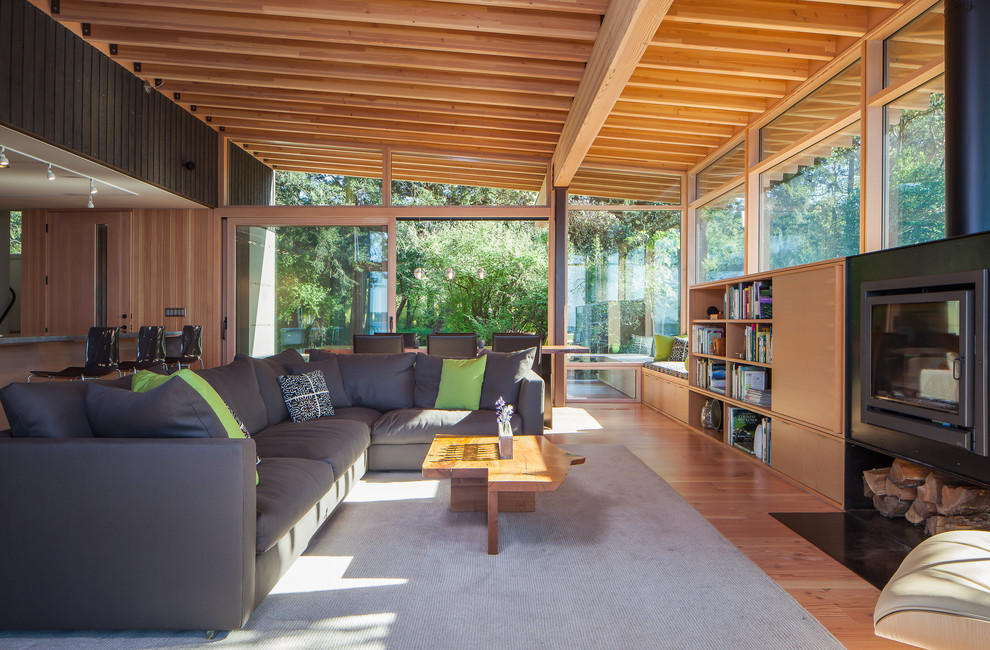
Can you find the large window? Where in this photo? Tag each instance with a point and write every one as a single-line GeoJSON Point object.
{"type": "Point", "coordinates": [435, 180]}
{"type": "Point", "coordinates": [834, 98]}
{"type": "Point", "coordinates": [720, 237]}
{"type": "Point", "coordinates": [914, 176]}
{"type": "Point", "coordinates": [722, 171]}
{"type": "Point", "coordinates": [810, 203]}
{"type": "Point", "coordinates": [300, 188]}
{"type": "Point", "coordinates": [624, 279]}
{"type": "Point", "coordinates": [308, 286]}
{"type": "Point", "coordinates": [915, 45]}
{"type": "Point", "coordinates": [472, 276]}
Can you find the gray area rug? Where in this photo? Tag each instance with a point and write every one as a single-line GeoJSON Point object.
{"type": "Point", "coordinates": [615, 558]}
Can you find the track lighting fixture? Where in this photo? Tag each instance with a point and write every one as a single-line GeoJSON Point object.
{"type": "Point", "coordinates": [90, 204]}
{"type": "Point", "coordinates": [4, 163]}
{"type": "Point", "coordinates": [51, 174]}
{"type": "Point", "coordinates": [92, 188]}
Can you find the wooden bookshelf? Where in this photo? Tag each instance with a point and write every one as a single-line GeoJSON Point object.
{"type": "Point", "coordinates": [792, 344]}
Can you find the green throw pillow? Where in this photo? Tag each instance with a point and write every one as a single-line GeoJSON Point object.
{"type": "Point", "coordinates": [460, 384]}
{"type": "Point", "coordinates": [664, 344]}
{"type": "Point", "coordinates": [145, 380]}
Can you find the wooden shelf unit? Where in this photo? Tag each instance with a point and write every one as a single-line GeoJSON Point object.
{"type": "Point", "coordinates": [803, 370]}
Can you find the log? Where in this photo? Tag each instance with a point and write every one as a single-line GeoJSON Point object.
{"type": "Point", "coordinates": [876, 480]}
{"type": "Point", "coordinates": [889, 506]}
{"type": "Point", "coordinates": [906, 474]}
{"type": "Point", "coordinates": [931, 489]}
{"type": "Point", "coordinates": [920, 511]}
{"type": "Point", "coordinates": [963, 500]}
{"type": "Point", "coordinates": [939, 524]}
{"type": "Point", "coordinates": [902, 493]}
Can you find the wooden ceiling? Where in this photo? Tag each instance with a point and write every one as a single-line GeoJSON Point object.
{"type": "Point", "coordinates": [618, 95]}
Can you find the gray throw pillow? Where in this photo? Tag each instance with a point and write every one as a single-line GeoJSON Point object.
{"type": "Point", "coordinates": [504, 372]}
{"type": "Point", "coordinates": [383, 382]}
{"type": "Point", "coordinates": [306, 396]}
{"type": "Point", "coordinates": [172, 410]}
{"type": "Point", "coordinates": [428, 369]}
{"type": "Point", "coordinates": [331, 374]}
{"type": "Point", "coordinates": [268, 371]}
{"type": "Point", "coordinates": [47, 410]}
{"type": "Point", "coordinates": [237, 384]}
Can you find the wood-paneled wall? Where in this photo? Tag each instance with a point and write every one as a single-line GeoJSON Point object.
{"type": "Point", "coordinates": [66, 92]}
{"type": "Point", "coordinates": [249, 181]}
{"type": "Point", "coordinates": [176, 263]}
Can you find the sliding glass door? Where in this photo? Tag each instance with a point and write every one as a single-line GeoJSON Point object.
{"type": "Point", "coordinates": [305, 286]}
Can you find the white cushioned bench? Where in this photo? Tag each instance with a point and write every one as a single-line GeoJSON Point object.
{"type": "Point", "coordinates": [940, 595]}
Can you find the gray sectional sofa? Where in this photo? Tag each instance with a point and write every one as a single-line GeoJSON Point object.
{"type": "Point", "coordinates": [109, 525]}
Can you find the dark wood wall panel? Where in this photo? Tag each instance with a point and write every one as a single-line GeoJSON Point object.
{"type": "Point", "coordinates": [60, 89]}
{"type": "Point", "coordinates": [249, 180]}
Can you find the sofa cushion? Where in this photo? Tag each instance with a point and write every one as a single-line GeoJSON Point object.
{"type": "Point", "coordinates": [407, 426]}
{"type": "Point", "coordinates": [337, 442]}
{"type": "Point", "coordinates": [145, 380]}
{"type": "Point", "coordinates": [46, 410]}
{"type": "Point", "coordinates": [427, 372]}
{"type": "Point", "coordinates": [237, 385]}
{"type": "Point", "coordinates": [172, 410]}
{"type": "Point", "coordinates": [504, 374]}
{"type": "Point", "coordinates": [380, 381]}
{"type": "Point", "coordinates": [679, 349]}
{"type": "Point", "coordinates": [360, 413]}
{"type": "Point", "coordinates": [460, 384]}
{"type": "Point", "coordinates": [306, 396]}
{"type": "Point", "coordinates": [289, 487]}
{"type": "Point", "coordinates": [331, 374]}
{"type": "Point", "coordinates": [662, 346]}
{"type": "Point", "coordinates": [267, 372]}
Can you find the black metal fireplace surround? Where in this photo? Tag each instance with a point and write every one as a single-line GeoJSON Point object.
{"type": "Point", "coordinates": [917, 359]}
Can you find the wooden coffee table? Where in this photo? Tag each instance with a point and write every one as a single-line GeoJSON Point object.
{"type": "Point", "coordinates": [481, 482]}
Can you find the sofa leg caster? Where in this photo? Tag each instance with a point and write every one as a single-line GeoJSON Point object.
{"type": "Point", "coordinates": [216, 635]}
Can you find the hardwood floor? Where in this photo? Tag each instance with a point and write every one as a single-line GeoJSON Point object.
{"type": "Point", "coordinates": [736, 495]}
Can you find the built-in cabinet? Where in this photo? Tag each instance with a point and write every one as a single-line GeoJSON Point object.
{"type": "Point", "coordinates": [666, 393]}
{"type": "Point", "coordinates": [770, 362]}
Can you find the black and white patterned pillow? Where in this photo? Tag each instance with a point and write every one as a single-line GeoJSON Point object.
{"type": "Point", "coordinates": [306, 396]}
{"type": "Point", "coordinates": [679, 351]}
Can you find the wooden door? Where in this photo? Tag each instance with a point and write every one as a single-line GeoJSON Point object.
{"type": "Point", "coordinates": [88, 267]}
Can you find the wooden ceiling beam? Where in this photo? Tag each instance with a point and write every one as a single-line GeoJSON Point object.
{"type": "Point", "coordinates": [636, 110]}
{"type": "Point", "coordinates": [298, 50]}
{"type": "Point", "coordinates": [742, 40]}
{"type": "Point", "coordinates": [447, 16]}
{"type": "Point", "coordinates": [389, 119]}
{"type": "Point", "coordinates": [695, 100]}
{"type": "Point", "coordinates": [671, 161]}
{"type": "Point", "coordinates": [666, 138]}
{"type": "Point", "coordinates": [709, 83]}
{"type": "Point", "coordinates": [659, 125]}
{"type": "Point", "coordinates": [625, 33]}
{"type": "Point", "coordinates": [257, 81]}
{"type": "Point", "coordinates": [314, 123]}
{"type": "Point", "coordinates": [743, 65]}
{"type": "Point", "coordinates": [228, 64]}
{"type": "Point", "coordinates": [396, 136]}
{"type": "Point", "coordinates": [455, 151]}
{"type": "Point", "coordinates": [596, 7]}
{"type": "Point", "coordinates": [652, 147]}
{"type": "Point", "coordinates": [286, 99]}
{"type": "Point", "coordinates": [328, 31]}
{"type": "Point", "coordinates": [786, 15]}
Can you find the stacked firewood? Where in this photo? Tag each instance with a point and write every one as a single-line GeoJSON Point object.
{"type": "Point", "coordinates": [927, 498]}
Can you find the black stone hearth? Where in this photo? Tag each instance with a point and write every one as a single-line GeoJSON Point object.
{"type": "Point", "coordinates": [864, 541]}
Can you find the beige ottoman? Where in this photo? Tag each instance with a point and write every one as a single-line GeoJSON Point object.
{"type": "Point", "coordinates": [940, 595]}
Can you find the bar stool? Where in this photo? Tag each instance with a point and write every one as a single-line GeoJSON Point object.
{"type": "Point", "coordinates": [150, 350]}
{"type": "Point", "coordinates": [190, 348]}
{"type": "Point", "coordinates": [102, 354]}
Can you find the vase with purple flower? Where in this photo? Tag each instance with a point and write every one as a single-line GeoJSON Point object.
{"type": "Point", "coordinates": [503, 414]}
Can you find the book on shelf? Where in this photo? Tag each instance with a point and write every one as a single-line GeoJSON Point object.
{"type": "Point", "coordinates": [758, 343]}
{"type": "Point", "coordinates": [761, 441]}
{"type": "Point", "coordinates": [750, 300]}
{"type": "Point", "coordinates": [705, 339]}
{"type": "Point", "coordinates": [750, 381]}
{"type": "Point", "coordinates": [757, 396]}
{"type": "Point", "coordinates": [750, 432]}
{"type": "Point", "coordinates": [711, 375]}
